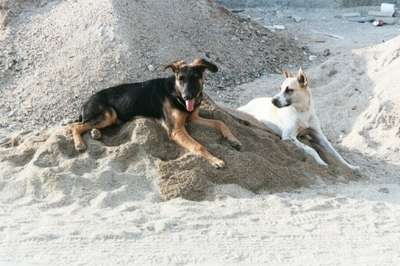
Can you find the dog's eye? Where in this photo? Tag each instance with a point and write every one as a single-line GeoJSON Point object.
{"type": "Point", "coordinates": [181, 78]}
{"type": "Point", "coordinates": [289, 90]}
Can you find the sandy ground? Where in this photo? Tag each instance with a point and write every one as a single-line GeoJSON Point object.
{"type": "Point", "coordinates": [345, 224]}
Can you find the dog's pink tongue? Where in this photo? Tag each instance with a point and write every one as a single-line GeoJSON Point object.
{"type": "Point", "coordinates": [189, 105]}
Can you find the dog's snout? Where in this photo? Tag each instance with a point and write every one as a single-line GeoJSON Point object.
{"type": "Point", "coordinates": [186, 97]}
{"type": "Point", "coordinates": [275, 102]}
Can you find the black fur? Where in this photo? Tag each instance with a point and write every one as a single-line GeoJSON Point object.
{"type": "Point", "coordinates": [148, 98]}
{"type": "Point", "coordinates": [129, 100]}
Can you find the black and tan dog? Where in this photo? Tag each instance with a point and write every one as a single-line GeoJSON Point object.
{"type": "Point", "coordinates": [175, 100]}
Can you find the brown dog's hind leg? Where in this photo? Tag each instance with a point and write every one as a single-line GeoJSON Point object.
{"type": "Point", "coordinates": [77, 130]}
{"type": "Point", "coordinates": [218, 125]}
{"type": "Point", "coordinates": [109, 118]}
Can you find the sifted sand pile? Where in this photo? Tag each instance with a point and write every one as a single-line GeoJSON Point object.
{"type": "Point", "coordinates": [138, 162]}
{"type": "Point", "coordinates": [358, 97]}
{"type": "Point", "coordinates": [377, 131]}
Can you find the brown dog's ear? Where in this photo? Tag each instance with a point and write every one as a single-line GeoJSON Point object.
{"type": "Point", "coordinates": [204, 64]}
{"type": "Point", "coordinates": [175, 66]}
{"type": "Point", "coordinates": [286, 73]}
{"type": "Point", "coordinates": [302, 78]}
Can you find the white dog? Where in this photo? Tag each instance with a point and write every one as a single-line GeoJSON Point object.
{"type": "Point", "coordinates": [291, 113]}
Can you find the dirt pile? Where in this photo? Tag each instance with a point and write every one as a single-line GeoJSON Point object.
{"type": "Point", "coordinates": [57, 53]}
{"type": "Point", "coordinates": [138, 162]}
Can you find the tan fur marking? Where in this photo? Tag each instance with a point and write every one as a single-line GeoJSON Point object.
{"type": "Point", "coordinates": [179, 134]}
{"type": "Point", "coordinates": [216, 124]}
{"type": "Point", "coordinates": [78, 129]}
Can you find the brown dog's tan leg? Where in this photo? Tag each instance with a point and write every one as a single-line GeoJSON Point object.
{"type": "Point", "coordinates": [109, 118]}
{"type": "Point", "coordinates": [218, 125]}
{"type": "Point", "coordinates": [77, 130]}
{"type": "Point", "coordinates": [182, 138]}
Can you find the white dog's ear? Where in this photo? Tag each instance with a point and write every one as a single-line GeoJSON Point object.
{"type": "Point", "coordinates": [302, 78]}
{"type": "Point", "coordinates": [286, 73]}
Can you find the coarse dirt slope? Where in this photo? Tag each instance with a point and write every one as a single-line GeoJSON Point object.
{"type": "Point", "coordinates": [57, 53]}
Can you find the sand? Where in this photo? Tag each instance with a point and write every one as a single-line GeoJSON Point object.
{"type": "Point", "coordinates": [113, 218]}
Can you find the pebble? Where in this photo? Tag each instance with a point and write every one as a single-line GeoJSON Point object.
{"type": "Point", "coordinates": [151, 68]}
{"type": "Point", "coordinates": [297, 19]}
{"type": "Point", "coordinates": [384, 190]}
{"type": "Point", "coordinates": [312, 57]}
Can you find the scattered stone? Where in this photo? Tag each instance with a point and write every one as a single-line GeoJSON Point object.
{"type": "Point", "coordinates": [384, 190]}
{"type": "Point", "coordinates": [279, 27]}
{"type": "Point", "coordinates": [275, 27]}
{"type": "Point", "coordinates": [237, 10]}
{"type": "Point", "coordinates": [380, 14]}
{"type": "Point", "coordinates": [151, 68]}
{"type": "Point", "coordinates": [326, 52]}
{"type": "Point", "coordinates": [351, 14]}
{"type": "Point", "coordinates": [297, 19]}
{"type": "Point", "coordinates": [312, 57]}
{"type": "Point", "coordinates": [361, 19]}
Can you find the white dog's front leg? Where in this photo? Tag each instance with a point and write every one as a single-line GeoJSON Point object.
{"type": "Point", "coordinates": [289, 132]}
{"type": "Point", "coordinates": [324, 142]}
{"type": "Point", "coordinates": [308, 150]}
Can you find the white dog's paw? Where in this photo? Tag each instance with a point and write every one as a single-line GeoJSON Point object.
{"type": "Point", "coordinates": [354, 168]}
{"type": "Point", "coordinates": [321, 162]}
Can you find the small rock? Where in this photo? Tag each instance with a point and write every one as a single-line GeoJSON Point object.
{"type": "Point", "coordinates": [151, 68]}
{"type": "Point", "coordinates": [237, 10]}
{"type": "Point", "coordinates": [384, 190]}
{"type": "Point", "coordinates": [351, 14]}
{"type": "Point", "coordinates": [279, 27]}
{"type": "Point", "coordinates": [297, 19]}
{"type": "Point", "coordinates": [312, 57]}
{"type": "Point", "coordinates": [326, 52]}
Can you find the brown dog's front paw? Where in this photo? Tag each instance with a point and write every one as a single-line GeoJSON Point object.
{"type": "Point", "coordinates": [217, 163]}
{"type": "Point", "coordinates": [235, 144]}
{"type": "Point", "coordinates": [95, 134]}
{"type": "Point", "coordinates": [80, 147]}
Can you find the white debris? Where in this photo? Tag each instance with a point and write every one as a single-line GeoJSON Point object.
{"type": "Point", "coordinates": [151, 68]}
{"type": "Point", "coordinates": [388, 8]}
{"type": "Point", "coordinates": [273, 28]}
{"type": "Point", "coordinates": [380, 14]}
{"type": "Point", "coordinates": [297, 19]}
{"type": "Point", "coordinates": [312, 57]}
{"type": "Point", "coordinates": [279, 27]}
{"type": "Point", "coordinates": [351, 14]}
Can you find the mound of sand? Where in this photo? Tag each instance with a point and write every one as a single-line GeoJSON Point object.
{"type": "Point", "coordinates": [138, 161]}
{"type": "Point", "coordinates": [358, 100]}
{"type": "Point", "coordinates": [377, 131]}
{"type": "Point", "coordinates": [57, 53]}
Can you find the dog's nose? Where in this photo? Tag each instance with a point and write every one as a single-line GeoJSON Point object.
{"type": "Point", "coordinates": [186, 97]}
{"type": "Point", "coordinates": [275, 102]}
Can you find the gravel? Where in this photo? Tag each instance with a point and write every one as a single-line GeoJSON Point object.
{"type": "Point", "coordinates": [55, 54]}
